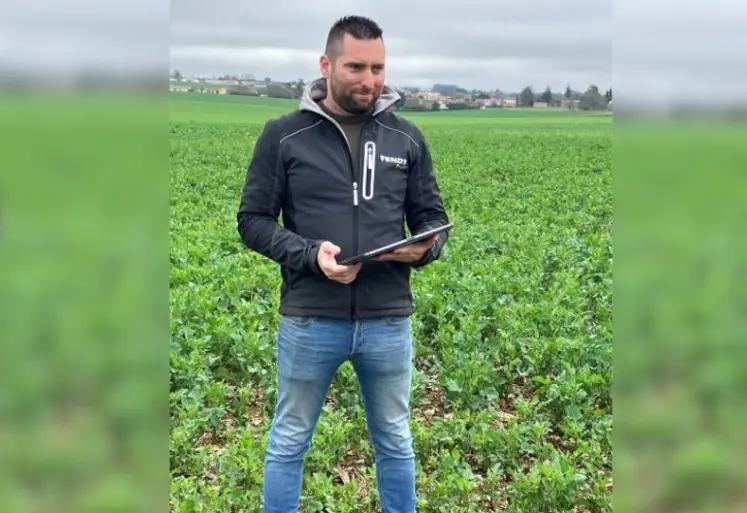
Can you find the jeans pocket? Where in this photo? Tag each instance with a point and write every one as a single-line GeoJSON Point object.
{"type": "Point", "coordinates": [301, 321]}
{"type": "Point", "coordinates": [397, 321]}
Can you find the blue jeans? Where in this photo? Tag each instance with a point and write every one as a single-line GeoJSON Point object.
{"type": "Point", "coordinates": [310, 351]}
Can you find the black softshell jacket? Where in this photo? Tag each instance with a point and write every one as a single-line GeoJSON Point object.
{"type": "Point", "coordinates": [302, 166]}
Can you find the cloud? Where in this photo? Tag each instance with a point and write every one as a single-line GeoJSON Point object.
{"type": "Point", "coordinates": [475, 43]}
{"type": "Point", "coordinates": [58, 37]}
{"type": "Point", "coordinates": [692, 51]}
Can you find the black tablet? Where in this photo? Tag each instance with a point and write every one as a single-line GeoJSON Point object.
{"type": "Point", "coordinates": [400, 244]}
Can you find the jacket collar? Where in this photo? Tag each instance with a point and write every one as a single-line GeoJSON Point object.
{"type": "Point", "coordinates": [317, 90]}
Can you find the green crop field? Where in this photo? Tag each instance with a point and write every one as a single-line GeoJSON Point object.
{"type": "Point", "coordinates": [513, 331]}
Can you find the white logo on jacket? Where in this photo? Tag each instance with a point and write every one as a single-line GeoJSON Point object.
{"type": "Point", "coordinates": [399, 161]}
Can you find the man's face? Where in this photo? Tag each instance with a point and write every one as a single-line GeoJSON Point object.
{"type": "Point", "coordinates": [357, 76]}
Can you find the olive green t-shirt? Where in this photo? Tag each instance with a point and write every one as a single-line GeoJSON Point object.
{"type": "Point", "coordinates": [351, 125]}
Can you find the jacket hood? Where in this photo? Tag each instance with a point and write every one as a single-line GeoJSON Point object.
{"type": "Point", "coordinates": [317, 90]}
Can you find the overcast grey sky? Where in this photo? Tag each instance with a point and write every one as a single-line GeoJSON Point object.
{"type": "Point", "coordinates": [56, 36]}
{"type": "Point", "coordinates": [484, 44]}
{"type": "Point", "coordinates": [692, 50]}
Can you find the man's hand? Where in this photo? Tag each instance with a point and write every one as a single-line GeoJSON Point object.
{"type": "Point", "coordinates": [329, 266]}
{"type": "Point", "coordinates": [409, 254]}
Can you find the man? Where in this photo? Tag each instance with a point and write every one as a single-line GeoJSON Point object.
{"type": "Point", "coordinates": [346, 172]}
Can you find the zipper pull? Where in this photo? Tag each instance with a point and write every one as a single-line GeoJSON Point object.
{"type": "Point", "coordinates": [355, 193]}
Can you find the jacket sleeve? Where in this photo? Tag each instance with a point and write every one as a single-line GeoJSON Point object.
{"type": "Point", "coordinates": [423, 204]}
{"type": "Point", "coordinates": [261, 201]}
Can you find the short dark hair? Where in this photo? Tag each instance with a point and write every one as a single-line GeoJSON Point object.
{"type": "Point", "coordinates": [358, 27]}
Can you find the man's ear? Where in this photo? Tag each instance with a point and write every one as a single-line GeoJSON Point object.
{"type": "Point", "coordinates": [325, 65]}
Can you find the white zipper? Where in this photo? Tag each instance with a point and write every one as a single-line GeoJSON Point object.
{"type": "Point", "coordinates": [355, 193]}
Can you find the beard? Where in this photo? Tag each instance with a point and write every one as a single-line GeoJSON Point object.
{"type": "Point", "coordinates": [348, 102]}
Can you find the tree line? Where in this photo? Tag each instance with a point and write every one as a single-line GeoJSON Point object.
{"type": "Point", "coordinates": [591, 99]}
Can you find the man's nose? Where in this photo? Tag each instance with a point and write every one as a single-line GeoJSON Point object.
{"type": "Point", "coordinates": [367, 79]}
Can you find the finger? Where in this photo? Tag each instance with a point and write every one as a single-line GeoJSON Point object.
{"type": "Point", "coordinates": [352, 273]}
{"type": "Point", "coordinates": [406, 251]}
{"type": "Point", "coordinates": [338, 269]}
{"type": "Point", "coordinates": [342, 271]}
{"type": "Point", "coordinates": [349, 271]}
{"type": "Point", "coordinates": [347, 279]}
{"type": "Point", "coordinates": [423, 245]}
{"type": "Point", "coordinates": [329, 252]}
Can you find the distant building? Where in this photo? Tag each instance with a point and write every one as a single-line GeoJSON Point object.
{"type": "Point", "coordinates": [428, 95]}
